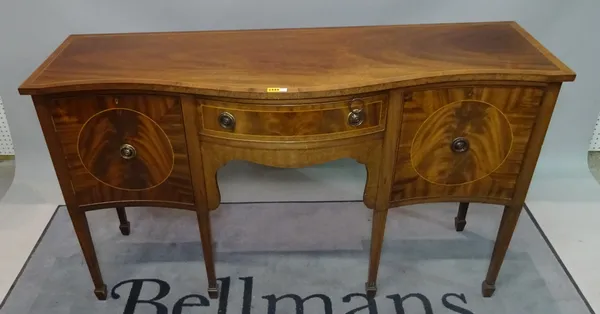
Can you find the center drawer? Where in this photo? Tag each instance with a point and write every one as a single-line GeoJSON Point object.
{"type": "Point", "coordinates": [293, 121]}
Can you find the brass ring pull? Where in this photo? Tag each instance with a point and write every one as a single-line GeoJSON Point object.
{"type": "Point", "coordinates": [227, 121]}
{"type": "Point", "coordinates": [356, 116]}
{"type": "Point", "coordinates": [459, 145]}
{"type": "Point", "coordinates": [360, 102]}
{"type": "Point", "coordinates": [127, 151]}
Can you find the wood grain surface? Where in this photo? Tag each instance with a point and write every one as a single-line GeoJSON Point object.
{"type": "Point", "coordinates": [215, 156]}
{"type": "Point", "coordinates": [101, 138]}
{"type": "Point", "coordinates": [498, 122]}
{"type": "Point", "coordinates": [288, 121]}
{"type": "Point", "coordinates": [311, 62]}
{"type": "Point", "coordinates": [424, 87]}
{"type": "Point", "coordinates": [511, 214]}
{"type": "Point", "coordinates": [91, 130]}
{"type": "Point", "coordinates": [484, 129]}
{"type": "Point", "coordinates": [386, 175]}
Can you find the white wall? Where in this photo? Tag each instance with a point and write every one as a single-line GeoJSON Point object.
{"type": "Point", "coordinates": [31, 29]}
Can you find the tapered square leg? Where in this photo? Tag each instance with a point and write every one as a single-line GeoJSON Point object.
{"type": "Point", "coordinates": [510, 217]}
{"type": "Point", "coordinates": [207, 251]}
{"type": "Point", "coordinates": [124, 225]}
{"type": "Point", "coordinates": [377, 232]}
{"type": "Point", "coordinates": [460, 221]}
{"type": "Point", "coordinates": [82, 230]}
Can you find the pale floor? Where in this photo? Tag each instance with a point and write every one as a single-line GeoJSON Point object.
{"type": "Point", "coordinates": [23, 218]}
{"type": "Point", "coordinates": [571, 226]}
{"type": "Point", "coordinates": [569, 215]}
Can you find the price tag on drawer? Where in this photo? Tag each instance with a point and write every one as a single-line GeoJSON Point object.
{"type": "Point", "coordinates": [277, 90]}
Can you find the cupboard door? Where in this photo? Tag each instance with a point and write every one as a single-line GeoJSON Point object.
{"type": "Point", "coordinates": [463, 143]}
{"type": "Point", "coordinates": [124, 148]}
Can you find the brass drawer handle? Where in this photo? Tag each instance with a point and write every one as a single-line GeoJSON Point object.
{"type": "Point", "coordinates": [459, 145]}
{"type": "Point", "coordinates": [356, 116]}
{"type": "Point", "coordinates": [127, 151]}
{"type": "Point", "coordinates": [227, 121]}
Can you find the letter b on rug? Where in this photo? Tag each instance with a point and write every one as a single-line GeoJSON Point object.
{"type": "Point", "coordinates": [134, 295]}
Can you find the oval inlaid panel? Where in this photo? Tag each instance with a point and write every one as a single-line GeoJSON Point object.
{"type": "Point", "coordinates": [99, 146]}
{"type": "Point", "coordinates": [484, 127]}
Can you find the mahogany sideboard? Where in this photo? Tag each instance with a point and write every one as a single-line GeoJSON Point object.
{"type": "Point", "coordinates": [436, 113]}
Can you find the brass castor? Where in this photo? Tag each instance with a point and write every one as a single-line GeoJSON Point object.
{"type": "Point", "coordinates": [100, 293]}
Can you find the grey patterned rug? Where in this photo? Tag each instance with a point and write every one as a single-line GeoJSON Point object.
{"type": "Point", "coordinates": [294, 258]}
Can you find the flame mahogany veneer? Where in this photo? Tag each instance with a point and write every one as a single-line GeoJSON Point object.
{"type": "Point", "coordinates": [444, 112]}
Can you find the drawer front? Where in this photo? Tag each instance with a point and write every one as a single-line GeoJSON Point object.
{"type": "Point", "coordinates": [464, 142]}
{"type": "Point", "coordinates": [124, 147]}
{"type": "Point", "coordinates": [293, 121]}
